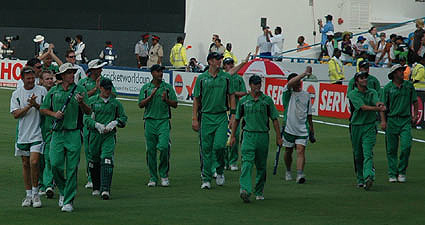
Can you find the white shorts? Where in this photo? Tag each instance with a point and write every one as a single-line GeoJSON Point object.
{"type": "Point", "coordinates": [26, 149]}
{"type": "Point", "coordinates": [290, 140]}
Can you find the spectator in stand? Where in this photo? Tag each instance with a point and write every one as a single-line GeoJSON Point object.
{"type": "Point", "coordinates": [41, 44]}
{"type": "Point", "coordinates": [361, 57]}
{"type": "Point", "coordinates": [418, 74]}
{"type": "Point", "coordinates": [372, 42]}
{"type": "Point", "coordinates": [214, 37]}
{"type": "Point", "coordinates": [277, 42]}
{"type": "Point", "coordinates": [108, 54]}
{"type": "Point", "coordinates": [407, 71]}
{"type": "Point", "coordinates": [391, 45]}
{"type": "Point", "coordinates": [79, 49]}
{"type": "Point", "coordinates": [156, 52]}
{"type": "Point", "coordinates": [336, 68]}
{"type": "Point", "coordinates": [178, 54]}
{"type": "Point", "coordinates": [359, 46]}
{"type": "Point", "coordinates": [195, 66]}
{"type": "Point", "coordinates": [218, 47]}
{"type": "Point", "coordinates": [229, 54]}
{"type": "Point", "coordinates": [419, 34]}
{"type": "Point", "coordinates": [421, 51]}
{"type": "Point", "coordinates": [330, 44]}
{"type": "Point", "coordinates": [346, 48]}
{"type": "Point", "coordinates": [71, 58]}
{"type": "Point", "coordinates": [382, 55]}
{"type": "Point", "coordinates": [324, 29]}
{"type": "Point", "coordinates": [263, 47]}
{"type": "Point", "coordinates": [302, 45]}
{"type": "Point", "coordinates": [142, 51]}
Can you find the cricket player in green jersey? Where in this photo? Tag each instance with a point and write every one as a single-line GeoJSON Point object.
{"type": "Point", "coordinates": [107, 114]}
{"type": "Point", "coordinates": [66, 102]}
{"type": "Point", "coordinates": [157, 97]}
{"type": "Point", "coordinates": [213, 94]}
{"type": "Point", "coordinates": [398, 96]}
{"type": "Point", "coordinates": [255, 108]}
{"type": "Point", "coordinates": [365, 103]}
{"type": "Point", "coordinates": [48, 81]}
{"type": "Point", "coordinates": [92, 85]}
{"type": "Point", "coordinates": [372, 82]}
{"type": "Point", "coordinates": [232, 152]}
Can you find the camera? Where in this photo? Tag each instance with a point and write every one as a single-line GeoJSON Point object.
{"type": "Point", "coordinates": [70, 41]}
{"type": "Point", "coordinates": [11, 38]}
{"type": "Point", "coordinates": [319, 21]}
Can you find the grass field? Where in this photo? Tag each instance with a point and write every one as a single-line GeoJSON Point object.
{"type": "Point", "coordinates": [328, 197]}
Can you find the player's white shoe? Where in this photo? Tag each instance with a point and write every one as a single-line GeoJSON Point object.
{"type": "Point", "coordinates": [288, 176]}
{"type": "Point", "coordinates": [151, 184]}
{"type": "Point", "coordinates": [300, 178]}
{"type": "Point", "coordinates": [234, 168]}
{"type": "Point", "coordinates": [401, 178]}
{"type": "Point", "coordinates": [105, 195]}
{"type": "Point", "coordinates": [165, 182]}
{"type": "Point", "coordinates": [95, 193]}
{"type": "Point", "coordinates": [27, 201]}
{"type": "Point", "coordinates": [60, 202]}
{"type": "Point", "coordinates": [36, 202]}
{"type": "Point", "coordinates": [259, 197]}
{"type": "Point", "coordinates": [67, 208]}
{"type": "Point", "coordinates": [89, 185]}
{"type": "Point", "coordinates": [41, 193]}
{"type": "Point", "coordinates": [206, 185]}
{"type": "Point", "coordinates": [220, 180]}
{"type": "Point", "coordinates": [49, 192]}
{"type": "Point", "coordinates": [392, 180]}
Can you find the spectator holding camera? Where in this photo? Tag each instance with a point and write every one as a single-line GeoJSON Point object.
{"type": "Point", "coordinates": [264, 47]}
{"type": "Point", "coordinates": [195, 66]}
{"type": "Point", "coordinates": [41, 46]}
{"type": "Point", "coordinates": [324, 29]}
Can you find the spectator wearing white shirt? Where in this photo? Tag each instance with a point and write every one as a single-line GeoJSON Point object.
{"type": "Point", "coordinates": [80, 50]}
{"type": "Point", "coordinates": [277, 42]}
{"type": "Point", "coordinates": [141, 50]}
{"type": "Point", "coordinates": [372, 44]}
{"type": "Point", "coordinates": [264, 47]}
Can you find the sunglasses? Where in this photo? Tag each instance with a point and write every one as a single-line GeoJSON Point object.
{"type": "Point", "coordinates": [71, 56]}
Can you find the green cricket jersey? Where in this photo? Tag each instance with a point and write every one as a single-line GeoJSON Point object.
{"type": "Point", "coordinates": [359, 99]}
{"type": "Point", "coordinates": [256, 113]}
{"type": "Point", "coordinates": [88, 83]}
{"type": "Point", "coordinates": [399, 100]}
{"type": "Point", "coordinates": [156, 108]}
{"type": "Point", "coordinates": [56, 98]}
{"type": "Point", "coordinates": [372, 83]}
{"type": "Point", "coordinates": [238, 85]}
{"type": "Point", "coordinates": [105, 112]}
{"type": "Point", "coordinates": [213, 91]}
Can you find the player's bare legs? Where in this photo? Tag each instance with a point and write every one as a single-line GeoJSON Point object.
{"type": "Point", "coordinates": [287, 156]}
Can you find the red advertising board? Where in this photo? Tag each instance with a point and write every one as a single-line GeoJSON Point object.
{"type": "Point", "coordinates": [333, 101]}
{"type": "Point", "coordinates": [274, 89]}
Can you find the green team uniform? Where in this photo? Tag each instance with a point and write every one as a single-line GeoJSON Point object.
{"type": "Point", "coordinates": [363, 133]}
{"type": "Point", "coordinates": [212, 92]}
{"type": "Point", "coordinates": [255, 139]}
{"type": "Point", "coordinates": [157, 117]}
{"type": "Point", "coordinates": [102, 146]}
{"type": "Point", "coordinates": [65, 145]}
{"type": "Point", "coordinates": [46, 131]}
{"type": "Point", "coordinates": [372, 83]}
{"type": "Point", "coordinates": [88, 83]}
{"type": "Point", "coordinates": [231, 157]}
{"type": "Point", "coordinates": [398, 102]}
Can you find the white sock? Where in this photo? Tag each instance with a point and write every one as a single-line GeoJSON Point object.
{"type": "Point", "coordinates": [35, 190]}
{"type": "Point", "coordinates": [29, 193]}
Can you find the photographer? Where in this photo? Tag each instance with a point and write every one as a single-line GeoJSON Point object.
{"type": "Point", "coordinates": [194, 66]}
{"type": "Point", "coordinates": [41, 46]}
{"type": "Point", "coordinates": [2, 46]}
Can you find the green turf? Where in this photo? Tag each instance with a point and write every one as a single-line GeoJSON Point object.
{"type": "Point", "coordinates": [328, 197]}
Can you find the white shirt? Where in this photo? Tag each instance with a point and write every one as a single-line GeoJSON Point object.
{"type": "Point", "coordinates": [299, 108]}
{"type": "Point", "coordinates": [263, 44]}
{"type": "Point", "coordinates": [29, 130]}
{"type": "Point", "coordinates": [79, 48]}
{"type": "Point", "coordinates": [141, 49]}
{"type": "Point", "coordinates": [80, 74]}
{"type": "Point", "coordinates": [330, 47]}
{"type": "Point", "coordinates": [277, 44]}
{"type": "Point", "coordinates": [43, 45]}
{"type": "Point", "coordinates": [370, 38]}
{"type": "Point", "coordinates": [422, 51]}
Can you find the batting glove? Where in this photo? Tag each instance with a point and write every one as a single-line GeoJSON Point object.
{"type": "Point", "coordinates": [100, 127]}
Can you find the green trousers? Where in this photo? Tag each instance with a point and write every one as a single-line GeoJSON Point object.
{"type": "Point", "coordinates": [232, 153]}
{"type": "Point", "coordinates": [213, 142]}
{"type": "Point", "coordinates": [47, 172]}
{"type": "Point", "coordinates": [101, 159]}
{"type": "Point", "coordinates": [157, 134]}
{"type": "Point", "coordinates": [398, 130]}
{"type": "Point", "coordinates": [363, 139]}
{"type": "Point", "coordinates": [86, 152]}
{"type": "Point", "coordinates": [254, 151]}
{"type": "Point", "coordinates": [64, 155]}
